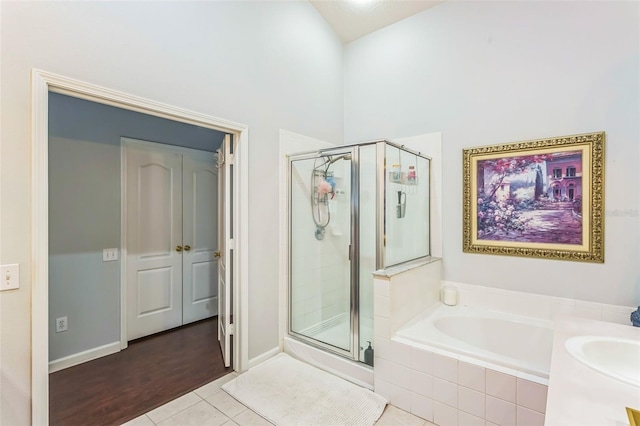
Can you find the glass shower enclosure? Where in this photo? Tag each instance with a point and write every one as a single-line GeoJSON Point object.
{"type": "Point", "coordinates": [352, 210]}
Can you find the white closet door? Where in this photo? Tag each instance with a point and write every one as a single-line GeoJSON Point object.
{"type": "Point", "coordinates": [200, 214]}
{"type": "Point", "coordinates": [225, 238]}
{"type": "Point", "coordinates": [154, 240]}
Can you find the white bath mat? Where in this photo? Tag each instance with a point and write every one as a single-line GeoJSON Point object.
{"type": "Point", "coordinates": [289, 392]}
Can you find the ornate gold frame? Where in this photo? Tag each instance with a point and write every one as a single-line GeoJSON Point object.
{"type": "Point", "coordinates": [591, 249]}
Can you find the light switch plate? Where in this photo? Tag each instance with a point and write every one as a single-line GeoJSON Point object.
{"type": "Point", "coordinates": [109, 254]}
{"type": "Point", "coordinates": [9, 277]}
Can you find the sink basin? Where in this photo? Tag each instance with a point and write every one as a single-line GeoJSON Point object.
{"type": "Point", "coordinates": [615, 357]}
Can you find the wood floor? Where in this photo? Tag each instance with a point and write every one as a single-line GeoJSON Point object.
{"type": "Point", "coordinates": [150, 372]}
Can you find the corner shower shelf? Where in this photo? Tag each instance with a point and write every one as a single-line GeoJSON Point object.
{"type": "Point", "coordinates": [403, 181]}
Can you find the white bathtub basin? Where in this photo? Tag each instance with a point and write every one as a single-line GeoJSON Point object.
{"type": "Point", "coordinates": [510, 341]}
{"type": "Point", "coordinates": [615, 357]}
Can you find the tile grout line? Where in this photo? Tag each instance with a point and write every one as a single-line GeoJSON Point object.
{"type": "Point", "coordinates": [180, 411]}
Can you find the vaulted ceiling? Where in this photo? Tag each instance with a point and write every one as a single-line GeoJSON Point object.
{"type": "Point", "coordinates": [352, 19]}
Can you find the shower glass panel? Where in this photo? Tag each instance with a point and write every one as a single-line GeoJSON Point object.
{"type": "Point", "coordinates": [407, 206]}
{"type": "Point", "coordinates": [367, 211]}
{"type": "Point", "coordinates": [320, 224]}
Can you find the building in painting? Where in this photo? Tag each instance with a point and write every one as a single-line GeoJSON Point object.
{"type": "Point", "coordinates": [564, 174]}
{"type": "Point", "coordinates": [503, 192]}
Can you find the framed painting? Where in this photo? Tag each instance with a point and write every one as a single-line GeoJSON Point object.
{"type": "Point", "coordinates": [541, 198]}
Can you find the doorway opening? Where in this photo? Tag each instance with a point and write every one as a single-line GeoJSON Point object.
{"type": "Point", "coordinates": [42, 84]}
{"type": "Point", "coordinates": [169, 209]}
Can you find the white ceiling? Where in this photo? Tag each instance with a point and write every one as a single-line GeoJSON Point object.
{"type": "Point", "coordinates": [352, 19]}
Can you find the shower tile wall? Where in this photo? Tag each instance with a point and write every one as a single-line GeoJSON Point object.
{"type": "Point", "coordinates": [320, 268]}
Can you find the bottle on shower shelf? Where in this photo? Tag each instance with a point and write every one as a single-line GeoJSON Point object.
{"type": "Point", "coordinates": [395, 173]}
{"type": "Point", "coordinates": [411, 176]}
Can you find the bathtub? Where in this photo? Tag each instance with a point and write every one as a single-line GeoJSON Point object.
{"type": "Point", "coordinates": [505, 342]}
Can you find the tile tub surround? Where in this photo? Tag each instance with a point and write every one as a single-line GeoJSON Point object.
{"type": "Point", "coordinates": [539, 306]}
{"type": "Point", "coordinates": [451, 391]}
{"type": "Point", "coordinates": [580, 395]}
{"type": "Point", "coordinates": [404, 291]}
{"type": "Point", "coordinates": [438, 386]}
{"type": "Point", "coordinates": [509, 341]}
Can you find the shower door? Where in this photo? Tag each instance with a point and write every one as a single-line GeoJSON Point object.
{"type": "Point", "coordinates": [321, 295]}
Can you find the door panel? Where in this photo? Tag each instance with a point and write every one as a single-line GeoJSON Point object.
{"type": "Point", "coordinates": [200, 296]}
{"type": "Point", "coordinates": [154, 291]}
{"type": "Point", "coordinates": [204, 274]}
{"type": "Point", "coordinates": [155, 202]}
{"type": "Point", "coordinates": [153, 220]}
{"type": "Point", "coordinates": [205, 205]}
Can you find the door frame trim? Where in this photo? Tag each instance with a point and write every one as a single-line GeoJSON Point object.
{"type": "Point", "coordinates": [43, 82]}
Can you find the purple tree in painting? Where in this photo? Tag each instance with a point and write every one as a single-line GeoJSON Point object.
{"type": "Point", "coordinates": [539, 187]}
{"type": "Point", "coordinates": [504, 167]}
{"type": "Point", "coordinates": [504, 214]}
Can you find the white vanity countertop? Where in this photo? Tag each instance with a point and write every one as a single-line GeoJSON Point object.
{"type": "Point", "coordinates": [580, 395]}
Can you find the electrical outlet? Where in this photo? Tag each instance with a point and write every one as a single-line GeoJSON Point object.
{"type": "Point", "coordinates": [110, 254]}
{"type": "Point", "coordinates": [61, 324]}
{"type": "Point", "coordinates": [9, 277]}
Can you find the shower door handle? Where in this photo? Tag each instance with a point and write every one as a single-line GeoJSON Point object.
{"type": "Point", "coordinates": [350, 248]}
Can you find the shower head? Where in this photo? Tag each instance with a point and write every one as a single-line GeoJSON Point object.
{"type": "Point", "coordinates": [328, 160]}
{"type": "Point", "coordinates": [342, 157]}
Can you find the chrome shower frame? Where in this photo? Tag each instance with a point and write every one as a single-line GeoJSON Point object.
{"type": "Point", "coordinates": [334, 154]}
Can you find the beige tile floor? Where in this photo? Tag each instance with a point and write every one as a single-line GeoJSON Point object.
{"type": "Point", "coordinates": [211, 406]}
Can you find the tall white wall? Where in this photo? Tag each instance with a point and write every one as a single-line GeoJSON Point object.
{"type": "Point", "coordinates": [269, 65]}
{"type": "Point", "coordinates": [486, 73]}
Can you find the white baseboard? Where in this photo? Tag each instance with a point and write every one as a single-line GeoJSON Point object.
{"type": "Point", "coordinates": [263, 357]}
{"type": "Point", "coordinates": [80, 357]}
